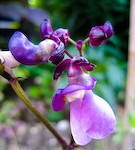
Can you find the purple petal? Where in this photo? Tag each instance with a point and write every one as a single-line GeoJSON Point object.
{"type": "Point", "coordinates": [74, 70]}
{"type": "Point", "coordinates": [58, 99]}
{"type": "Point", "coordinates": [58, 55]}
{"type": "Point", "coordinates": [84, 80]}
{"type": "Point", "coordinates": [81, 61]}
{"type": "Point", "coordinates": [60, 68]}
{"type": "Point", "coordinates": [27, 53]}
{"type": "Point", "coordinates": [89, 85]}
{"type": "Point", "coordinates": [74, 87]}
{"type": "Point", "coordinates": [108, 29]}
{"type": "Point", "coordinates": [62, 34]}
{"type": "Point", "coordinates": [100, 34]}
{"type": "Point", "coordinates": [23, 50]}
{"type": "Point", "coordinates": [79, 45]}
{"type": "Point", "coordinates": [46, 28]}
{"type": "Point", "coordinates": [55, 38]}
{"type": "Point", "coordinates": [97, 119]}
{"type": "Point", "coordinates": [89, 67]}
{"type": "Point", "coordinates": [97, 36]}
{"type": "Point", "coordinates": [80, 137]}
{"type": "Point", "coordinates": [58, 102]}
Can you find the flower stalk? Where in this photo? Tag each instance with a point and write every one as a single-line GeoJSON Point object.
{"type": "Point", "coordinates": [71, 41]}
{"type": "Point", "coordinates": [21, 94]}
{"type": "Point", "coordinates": [86, 40]}
{"type": "Point", "coordinates": [68, 54]}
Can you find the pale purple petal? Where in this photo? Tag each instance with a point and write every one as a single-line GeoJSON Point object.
{"type": "Point", "coordinates": [80, 137]}
{"type": "Point", "coordinates": [74, 87]}
{"type": "Point", "coordinates": [84, 80]}
{"type": "Point", "coordinates": [97, 119]}
{"type": "Point", "coordinates": [58, 102]}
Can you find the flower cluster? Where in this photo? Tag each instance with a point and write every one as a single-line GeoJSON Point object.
{"type": "Point", "coordinates": [90, 116]}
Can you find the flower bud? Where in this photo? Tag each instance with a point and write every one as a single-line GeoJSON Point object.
{"type": "Point", "coordinates": [8, 60]}
{"type": "Point", "coordinates": [62, 34]}
{"type": "Point", "coordinates": [79, 45]}
{"type": "Point", "coordinates": [58, 55]}
{"type": "Point", "coordinates": [27, 53]}
{"type": "Point", "coordinates": [100, 34]}
{"type": "Point", "coordinates": [46, 28]}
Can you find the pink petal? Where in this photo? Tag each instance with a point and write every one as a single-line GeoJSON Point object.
{"type": "Point", "coordinates": [97, 117]}
{"type": "Point", "coordinates": [80, 137]}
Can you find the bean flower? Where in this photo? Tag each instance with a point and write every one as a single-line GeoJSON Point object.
{"type": "Point", "coordinates": [28, 53]}
{"type": "Point", "coordinates": [50, 49]}
{"type": "Point", "coordinates": [100, 34]}
{"type": "Point", "coordinates": [60, 36]}
{"type": "Point", "coordinates": [91, 117]}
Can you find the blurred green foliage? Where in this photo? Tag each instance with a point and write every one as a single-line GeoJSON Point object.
{"type": "Point", "coordinates": [80, 15]}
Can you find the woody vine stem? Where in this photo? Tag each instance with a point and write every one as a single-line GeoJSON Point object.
{"type": "Point", "coordinates": [21, 94]}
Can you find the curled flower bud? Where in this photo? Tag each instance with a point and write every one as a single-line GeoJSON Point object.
{"type": "Point", "coordinates": [27, 53]}
{"type": "Point", "coordinates": [100, 34]}
{"type": "Point", "coordinates": [62, 34]}
{"type": "Point", "coordinates": [46, 28]}
{"type": "Point", "coordinates": [58, 55]}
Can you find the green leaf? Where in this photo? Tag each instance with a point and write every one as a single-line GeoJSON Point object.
{"type": "Point", "coordinates": [54, 116]}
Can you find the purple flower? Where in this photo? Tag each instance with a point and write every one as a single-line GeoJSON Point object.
{"type": "Point", "coordinates": [90, 116]}
{"type": "Point", "coordinates": [28, 53]}
{"type": "Point", "coordinates": [100, 34]}
{"type": "Point", "coordinates": [77, 61]}
{"type": "Point", "coordinates": [60, 36]}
